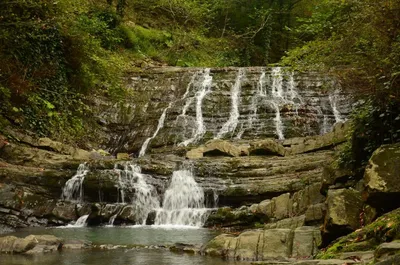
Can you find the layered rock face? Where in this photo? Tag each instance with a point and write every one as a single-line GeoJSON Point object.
{"type": "Point", "coordinates": [176, 106]}
{"type": "Point", "coordinates": [257, 140]}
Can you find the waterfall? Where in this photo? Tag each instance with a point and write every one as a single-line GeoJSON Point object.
{"type": "Point", "coordinates": [233, 120]}
{"type": "Point", "coordinates": [159, 127]}
{"type": "Point", "coordinates": [112, 219]}
{"type": "Point", "coordinates": [73, 190]}
{"type": "Point", "coordinates": [183, 203]}
{"type": "Point", "coordinates": [189, 100]}
{"type": "Point", "coordinates": [282, 97]}
{"type": "Point", "coordinates": [259, 93]}
{"type": "Point", "coordinates": [278, 121]}
{"type": "Point", "coordinates": [203, 88]}
{"type": "Point", "coordinates": [277, 99]}
{"type": "Point", "coordinates": [132, 181]}
{"type": "Point", "coordinates": [325, 126]}
{"type": "Point", "coordinates": [81, 222]}
{"type": "Point", "coordinates": [333, 98]}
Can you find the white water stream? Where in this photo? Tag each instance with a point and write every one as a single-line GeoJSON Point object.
{"type": "Point", "coordinates": [233, 120]}
{"type": "Point", "coordinates": [333, 98]}
{"type": "Point", "coordinates": [159, 126]}
{"type": "Point", "coordinates": [183, 203]}
{"type": "Point", "coordinates": [73, 190]}
{"type": "Point", "coordinates": [132, 181]}
{"type": "Point", "coordinates": [202, 88]}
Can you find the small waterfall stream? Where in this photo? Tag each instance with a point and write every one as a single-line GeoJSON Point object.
{"type": "Point", "coordinates": [159, 126]}
{"type": "Point", "coordinates": [183, 203]}
{"type": "Point", "coordinates": [233, 120]}
{"type": "Point", "coordinates": [81, 222]}
{"type": "Point", "coordinates": [333, 98]}
{"type": "Point", "coordinates": [132, 181]}
{"type": "Point", "coordinates": [73, 190]}
{"type": "Point", "coordinates": [202, 88]}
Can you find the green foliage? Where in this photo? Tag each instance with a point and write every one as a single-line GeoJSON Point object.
{"type": "Point", "coordinates": [350, 40]}
{"type": "Point", "coordinates": [374, 124]}
{"type": "Point", "coordinates": [53, 53]}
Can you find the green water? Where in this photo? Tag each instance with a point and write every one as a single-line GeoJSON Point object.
{"type": "Point", "coordinates": [120, 236]}
{"type": "Point", "coordinates": [137, 235]}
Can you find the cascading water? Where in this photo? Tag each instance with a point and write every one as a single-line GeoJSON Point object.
{"type": "Point", "coordinates": [333, 98]}
{"type": "Point", "coordinates": [233, 120]}
{"type": "Point", "coordinates": [183, 203]}
{"type": "Point", "coordinates": [325, 126]}
{"type": "Point", "coordinates": [278, 120]}
{"type": "Point", "coordinates": [282, 97]}
{"type": "Point", "coordinates": [260, 92]}
{"type": "Point", "coordinates": [132, 181]}
{"type": "Point", "coordinates": [112, 220]}
{"type": "Point", "coordinates": [159, 126]}
{"type": "Point", "coordinates": [202, 88]}
{"type": "Point", "coordinates": [81, 222]}
{"type": "Point", "coordinates": [73, 190]}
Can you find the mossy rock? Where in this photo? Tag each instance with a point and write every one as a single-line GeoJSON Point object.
{"type": "Point", "coordinates": [385, 229]}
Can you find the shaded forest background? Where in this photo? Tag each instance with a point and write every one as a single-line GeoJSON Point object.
{"type": "Point", "coordinates": [56, 54]}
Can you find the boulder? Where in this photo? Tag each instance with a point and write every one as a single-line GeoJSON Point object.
{"type": "Point", "coordinates": [319, 142]}
{"type": "Point", "coordinates": [248, 245]}
{"type": "Point", "coordinates": [30, 245]}
{"type": "Point", "coordinates": [221, 148]}
{"type": "Point", "coordinates": [315, 213]}
{"type": "Point", "coordinates": [390, 260]}
{"type": "Point", "coordinates": [306, 241]}
{"type": "Point", "coordinates": [387, 249]}
{"type": "Point", "coordinates": [185, 248]}
{"type": "Point", "coordinates": [215, 148]}
{"type": "Point", "coordinates": [288, 223]}
{"type": "Point", "coordinates": [334, 177]}
{"type": "Point", "coordinates": [282, 206]}
{"type": "Point", "coordinates": [12, 244]}
{"type": "Point", "coordinates": [277, 243]}
{"type": "Point", "coordinates": [220, 245]}
{"type": "Point", "coordinates": [65, 211]}
{"type": "Point", "coordinates": [252, 245]}
{"type": "Point", "coordinates": [127, 215]}
{"type": "Point", "coordinates": [266, 207]}
{"type": "Point", "coordinates": [381, 178]}
{"type": "Point", "coordinates": [195, 153]}
{"type": "Point", "coordinates": [44, 243]}
{"type": "Point", "coordinates": [267, 147]}
{"type": "Point", "coordinates": [344, 207]}
{"type": "Point", "coordinates": [123, 156]}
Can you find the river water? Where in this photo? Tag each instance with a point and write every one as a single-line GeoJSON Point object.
{"type": "Point", "coordinates": [136, 235]}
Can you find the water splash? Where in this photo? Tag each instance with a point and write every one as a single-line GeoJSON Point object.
{"type": "Point", "coordinates": [333, 98]}
{"type": "Point", "coordinates": [132, 181]}
{"type": "Point", "coordinates": [159, 127]}
{"type": "Point", "coordinates": [183, 203]}
{"type": "Point", "coordinates": [233, 120]}
{"type": "Point", "coordinates": [73, 190]}
{"type": "Point", "coordinates": [81, 222]}
{"type": "Point", "coordinates": [112, 220]}
{"type": "Point", "coordinates": [204, 87]}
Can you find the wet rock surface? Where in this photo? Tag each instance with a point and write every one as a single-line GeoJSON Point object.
{"type": "Point", "coordinates": [30, 245]}
{"type": "Point", "coordinates": [381, 179]}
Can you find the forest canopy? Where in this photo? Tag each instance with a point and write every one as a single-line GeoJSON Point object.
{"type": "Point", "coordinates": [55, 54]}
